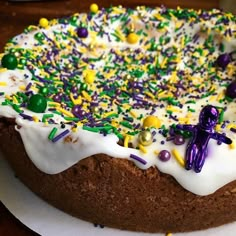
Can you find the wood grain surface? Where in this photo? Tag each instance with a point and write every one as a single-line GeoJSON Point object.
{"type": "Point", "coordinates": [15, 16]}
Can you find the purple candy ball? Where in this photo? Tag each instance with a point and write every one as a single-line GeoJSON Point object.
{"type": "Point", "coordinates": [223, 60]}
{"type": "Point", "coordinates": [78, 111]}
{"type": "Point", "coordinates": [179, 139]}
{"type": "Point", "coordinates": [164, 155]}
{"type": "Point", "coordinates": [82, 32]}
{"type": "Point", "coordinates": [231, 90]}
{"type": "Point", "coordinates": [57, 98]}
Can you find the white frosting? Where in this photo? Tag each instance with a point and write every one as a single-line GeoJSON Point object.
{"type": "Point", "coordinates": [53, 158]}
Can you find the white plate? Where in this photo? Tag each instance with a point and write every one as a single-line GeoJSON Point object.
{"type": "Point", "coordinates": [49, 221]}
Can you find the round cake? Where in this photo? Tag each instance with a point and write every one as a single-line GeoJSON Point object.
{"type": "Point", "coordinates": [125, 117]}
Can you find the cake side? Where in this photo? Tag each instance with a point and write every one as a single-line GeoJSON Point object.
{"type": "Point", "coordinates": [115, 193]}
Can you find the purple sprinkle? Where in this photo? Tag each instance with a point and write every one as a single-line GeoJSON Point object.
{"type": "Point", "coordinates": [233, 130]}
{"type": "Point", "coordinates": [137, 158]}
{"type": "Point", "coordinates": [27, 117]}
{"type": "Point", "coordinates": [28, 86]}
{"type": "Point", "coordinates": [60, 136]}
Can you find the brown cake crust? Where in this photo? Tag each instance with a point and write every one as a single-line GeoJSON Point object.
{"type": "Point", "coordinates": [115, 193]}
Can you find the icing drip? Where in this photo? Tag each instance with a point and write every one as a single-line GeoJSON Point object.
{"type": "Point", "coordinates": [53, 158]}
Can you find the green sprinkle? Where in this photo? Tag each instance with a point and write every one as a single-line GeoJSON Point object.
{"type": "Point", "coordinates": [126, 124]}
{"type": "Point", "coordinates": [191, 110]}
{"type": "Point", "coordinates": [92, 129]}
{"type": "Point", "coordinates": [46, 116]}
{"type": "Point", "coordinates": [16, 108]}
{"type": "Point", "coordinates": [221, 117]}
{"type": "Point", "coordinates": [52, 133]}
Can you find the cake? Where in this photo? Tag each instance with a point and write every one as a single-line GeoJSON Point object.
{"type": "Point", "coordinates": [125, 117]}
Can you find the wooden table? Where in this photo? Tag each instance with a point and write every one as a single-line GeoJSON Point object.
{"type": "Point", "coordinates": [14, 17]}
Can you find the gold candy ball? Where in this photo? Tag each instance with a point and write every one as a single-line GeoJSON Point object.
{"type": "Point", "coordinates": [145, 138]}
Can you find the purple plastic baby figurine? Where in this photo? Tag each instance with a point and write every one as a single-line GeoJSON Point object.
{"type": "Point", "coordinates": [202, 132]}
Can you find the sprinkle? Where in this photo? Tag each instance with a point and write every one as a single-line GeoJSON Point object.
{"type": "Point", "coordinates": [61, 135]}
{"type": "Point", "coordinates": [46, 116]}
{"type": "Point", "coordinates": [168, 234]}
{"type": "Point", "coordinates": [52, 133]}
{"type": "Point", "coordinates": [137, 158]}
{"type": "Point", "coordinates": [232, 145]}
{"type": "Point", "coordinates": [142, 148]}
{"type": "Point", "coordinates": [35, 119]}
{"type": "Point", "coordinates": [16, 108]}
{"type": "Point", "coordinates": [178, 157]}
{"type": "Point", "coordinates": [126, 141]}
{"type": "Point", "coordinates": [221, 116]}
{"type": "Point", "coordinates": [65, 112]}
{"type": "Point", "coordinates": [3, 83]}
{"type": "Point", "coordinates": [27, 117]}
{"type": "Point", "coordinates": [86, 96]}
{"type": "Point", "coordinates": [3, 70]}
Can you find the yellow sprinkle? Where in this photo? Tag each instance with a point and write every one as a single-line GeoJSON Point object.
{"type": "Point", "coordinates": [74, 129]}
{"type": "Point", "coordinates": [65, 112]}
{"type": "Point", "coordinates": [8, 97]}
{"type": "Point", "coordinates": [178, 157]}
{"type": "Point", "coordinates": [163, 62]}
{"type": "Point", "coordinates": [77, 101]}
{"type": "Point", "coordinates": [54, 103]}
{"type": "Point", "coordinates": [79, 124]}
{"type": "Point", "coordinates": [172, 108]}
{"type": "Point", "coordinates": [168, 234]}
{"type": "Point", "coordinates": [142, 148]}
{"type": "Point", "coordinates": [220, 96]}
{"type": "Point", "coordinates": [132, 113]}
{"type": "Point", "coordinates": [212, 98]}
{"type": "Point", "coordinates": [126, 106]}
{"type": "Point", "coordinates": [3, 69]}
{"type": "Point", "coordinates": [126, 141]}
{"type": "Point", "coordinates": [132, 38]}
{"type": "Point", "coordinates": [218, 127]}
{"type": "Point", "coordinates": [156, 152]}
{"type": "Point", "coordinates": [22, 87]}
{"type": "Point", "coordinates": [232, 145]}
{"type": "Point", "coordinates": [108, 114]}
{"type": "Point", "coordinates": [86, 96]}
{"type": "Point", "coordinates": [150, 95]}
{"type": "Point", "coordinates": [35, 119]}
{"type": "Point", "coordinates": [90, 76]}
{"type": "Point", "coordinates": [15, 100]}
{"type": "Point", "coordinates": [43, 22]}
{"type": "Point", "coordinates": [94, 8]}
{"type": "Point", "coordinates": [3, 83]}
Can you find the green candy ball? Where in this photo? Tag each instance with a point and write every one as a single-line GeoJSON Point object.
{"type": "Point", "coordinates": [37, 103]}
{"type": "Point", "coordinates": [9, 61]}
